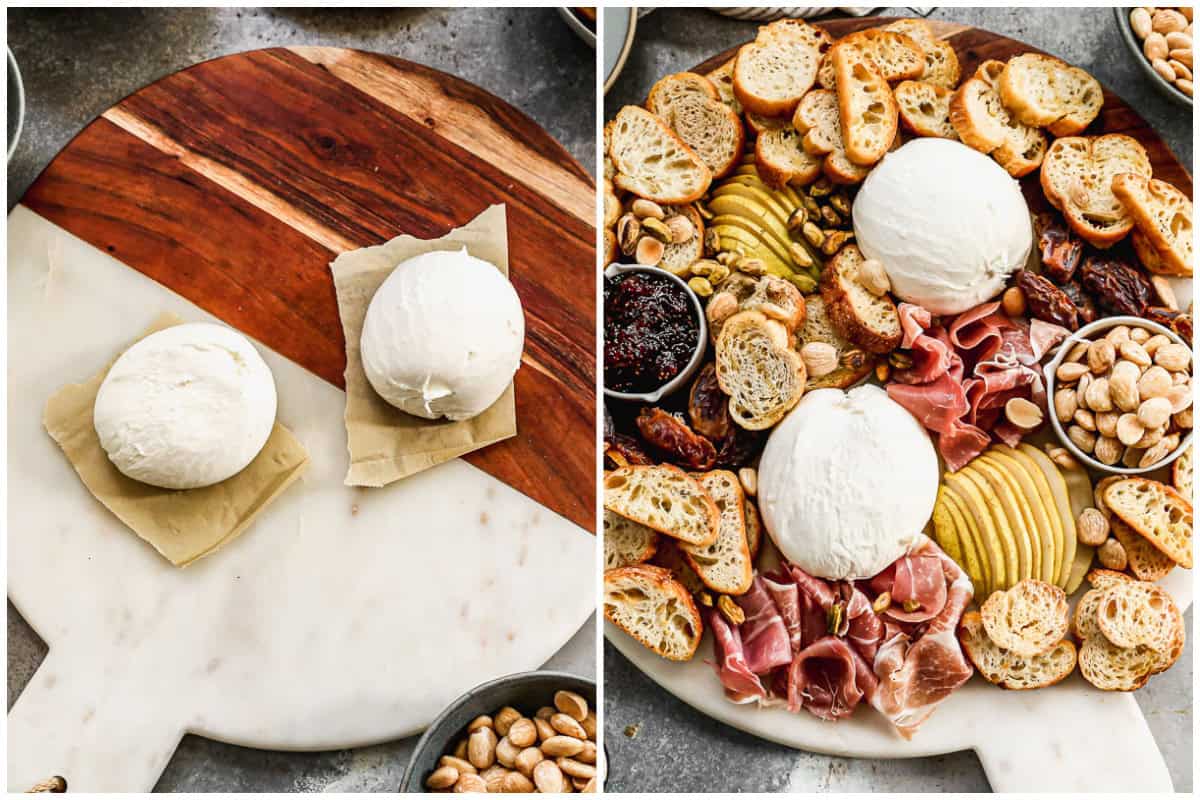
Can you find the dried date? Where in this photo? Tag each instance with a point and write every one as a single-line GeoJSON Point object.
{"type": "Point", "coordinates": [708, 406]}
{"type": "Point", "coordinates": [1060, 249]}
{"type": "Point", "coordinates": [1178, 321]}
{"type": "Point", "coordinates": [1046, 301]}
{"type": "Point", "coordinates": [738, 448]}
{"type": "Point", "coordinates": [678, 443]}
{"type": "Point", "coordinates": [1117, 286]}
{"type": "Point", "coordinates": [1083, 301]}
{"type": "Point", "coordinates": [624, 451]}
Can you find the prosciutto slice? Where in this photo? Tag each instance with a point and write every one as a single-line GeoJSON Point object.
{"type": "Point", "coordinates": [741, 685]}
{"type": "Point", "coordinates": [829, 679]}
{"type": "Point", "coordinates": [764, 635]}
{"type": "Point", "coordinates": [787, 599]}
{"type": "Point", "coordinates": [916, 580]}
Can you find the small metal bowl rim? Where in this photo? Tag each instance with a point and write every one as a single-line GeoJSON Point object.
{"type": "Point", "coordinates": [1135, 47]}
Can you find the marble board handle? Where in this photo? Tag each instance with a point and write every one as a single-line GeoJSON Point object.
{"type": "Point", "coordinates": [98, 728]}
{"type": "Point", "coordinates": [1080, 740]}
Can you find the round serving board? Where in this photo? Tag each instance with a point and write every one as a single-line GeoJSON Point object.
{"type": "Point", "coordinates": [1057, 739]}
{"type": "Point", "coordinates": [344, 616]}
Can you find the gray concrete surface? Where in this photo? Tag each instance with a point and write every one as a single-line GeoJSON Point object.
{"type": "Point", "coordinates": [677, 749]}
{"type": "Point", "coordinates": [78, 62]}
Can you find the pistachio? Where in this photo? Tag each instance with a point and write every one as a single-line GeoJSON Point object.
{"type": "Point", "coordinates": [705, 213]}
{"type": "Point", "coordinates": [1084, 440]}
{"type": "Point", "coordinates": [649, 251]}
{"type": "Point", "coordinates": [834, 241]}
{"type": "Point", "coordinates": [796, 220]}
{"type": "Point", "coordinates": [752, 266]}
{"type": "Point", "coordinates": [1023, 414]}
{"type": "Point", "coordinates": [1108, 450]}
{"type": "Point", "coordinates": [1065, 405]}
{"type": "Point", "coordinates": [812, 234]}
{"type": "Point", "coordinates": [854, 359]}
{"type": "Point", "coordinates": [822, 186]}
{"type": "Point", "coordinates": [820, 358]}
{"type": "Point", "coordinates": [810, 205]}
{"type": "Point", "coordinates": [1069, 372]}
{"type": "Point", "coordinates": [840, 203]}
{"type": "Point", "coordinates": [830, 217]}
{"type": "Point", "coordinates": [800, 254]}
{"type": "Point", "coordinates": [1092, 527]}
{"type": "Point", "coordinates": [1112, 555]}
{"type": "Point", "coordinates": [872, 275]}
{"type": "Point", "coordinates": [1130, 429]}
{"type": "Point", "coordinates": [646, 209]}
{"type": "Point", "coordinates": [701, 286]}
{"type": "Point", "coordinates": [629, 230]}
{"type": "Point", "coordinates": [712, 242]}
{"type": "Point", "coordinates": [748, 477]}
{"type": "Point", "coordinates": [833, 618]}
{"type": "Point", "coordinates": [1084, 419]}
{"type": "Point", "coordinates": [658, 229]}
{"type": "Point", "coordinates": [900, 360]}
{"type": "Point", "coordinates": [1013, 302]}
{"type": "Point", "coordinates": [718, 275]}
{"type": "Point", "coordinates": [705, 599]}
{"type": "Point", "coordinates": [730, 610]}
{"type": "Point", "coordinates": [882, 602]}
{"type": "Point", "coordinates": [729, 258]}
{"type": "Point", "coordinates": [1101, 355]}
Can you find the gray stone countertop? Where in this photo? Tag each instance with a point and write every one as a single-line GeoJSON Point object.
{"type": "Point", "coordinates": [680, 750]}
{"type": "Point", "coordinates": [78, 62]}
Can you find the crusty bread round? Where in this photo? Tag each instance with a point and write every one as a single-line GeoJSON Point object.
{"type": "Point", "coordinates": [651, 160]}
{"type": "Point", "coordinates": [689, 104]}
{"type": "Point", "coordinates": [1027, 620]}
{"type": "Point", "coordinates": [978, 116]}
{"type": "Point", "coordinates": [1115, 669]}
{"type": "Point", "coordinates": [818, 118]}
{"type": "Point", "coordinates": [1165, 236]}
{"type": "Point", "coordinates": [925, 109]}
{"type": "Point", "coordinates": [626, 542]}
{"type": "Point", "coordinates": [1146, 562]}
{"type": "Point", "coordinates": [1043, 91]}
{"type": "Point", "coordinates": [868, 109]}
{"type": "Point", "coordinates": [762, 375]}
{"type": "Point", "coordinates": [655, 609]}
{"type": "Point", "coordinates": [773, 72]}
{"type": "Point", "coordinates": [870, 321]}
{"type": "Point", "coordinates": [1138, 613]}
{"type": "Point", "coordinates": [1009, 670]}
{"type": "Point", "coordinates": [1157, 512]}
{"type": "Point", "coordinates": [941, 62]}
{"type": "Point", "coordinates": [781, 160]}
{"type": "Point", "coordinates": [818, 327]}
{"type": "Point", "coordinates": [665, 498]}
{"type": "Point", "coordinates": [725, 566]}
{"type": "Point", "coordinates": [1181, 474]}
{"type": "Point", "coordinates": [1077, 176]}
{"type": "Point", "coordinates": [896, 55]}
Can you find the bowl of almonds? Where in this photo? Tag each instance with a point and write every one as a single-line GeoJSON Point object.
{"type": "Point", "coordinates": [1120, 394]}
{"type": "Point", "coordinates": [529, 732]}
{"type": "Point", "coordinates": [1161, 41]}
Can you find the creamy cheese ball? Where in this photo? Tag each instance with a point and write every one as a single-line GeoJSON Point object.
{"type": "Point", "coordinates": [846, 483]}
{"type": "Point", "coordinates": [443, 336]}
{"type": "Point", "coordinates": [186, 407]}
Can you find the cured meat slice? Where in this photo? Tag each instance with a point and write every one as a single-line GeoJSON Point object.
{"type": "Point", "coordinates": [741, 685]}
{"type": "Point", "coordinates": [915, 580]}
{"type": "Point", "coordinates": [787, 599]}
{"type": "Point", "coordinates": [829, 679]}
{"type": "Point", "coordinates": [764, 635]}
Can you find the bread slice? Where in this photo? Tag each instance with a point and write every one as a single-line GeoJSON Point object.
{"type": "Point", "coordinates": [941, 62]}
{"type": "Point", "coordinates": [1009, 670]}
{"type": "Point", "coordinates": [854, 364]}
{"type": "Point", "coordinates": [612, 205]}
{"type": "Point", "coordinates": [1077, 177]}
{"type": "Point", "coordinates": [868, 109]}
{"type": "Point", "coordinates": [762, 375]}
{"type": "Point", "coordinates": [1115, 669]}
{"type": "Point", "coordinates": [1157, 512]}
{"type": "Point", "coordinates": [653, 608]}
{"type": "Point", "coordinates": [774, 297]}
{"type": "Point", "coordinates": [1181, 475]}
{"type": "Point", "coordinates": [664, 498]}
{"type": "Point", "coordinates": [979, 117]}
{"type": "Point", "coordinates": [725, 566]}
{"type": "Point", "coordinates": [1163, 217]}
{"type": "Point", "coordinates": [925, 109]}
{"type": "Point", "coordinates": [773, 72]}
{"type": "Point", "coordinates": [1145, 560]}
{"type": "Point", "coordinates": [691, 106]}
{"type": "Point", "coordinates": [871, 322]}
{"type": "Point", "coordinates": [671, 558]}
{"type": "Point", "coordinates": [627, 542]}
{"type": "Point", "coordinates": [652, 161]}
{"type": "Point", "coordinates": [612, 252]}
{"type": "Point", "coordinates": [759, 124]}
{"type": "Point", "coordinates": [819, 120]}
{"type": "Point", "coordinates": [722, 79]}
{"type": "Point", "coordinates": [753, 528]}
{"type": "Point", "coordinates": [1043, 91]}
{"type": "Point", "coordinates": [1027, 620]}
{"type": "Point", "coordinates": [678, 256]}
{"type": "Point", "coordinates": [1139, 613]}
{"type": "Point", "coordinates": [897, 56]}
{"type": "Point", "coordinates": [780, 159]}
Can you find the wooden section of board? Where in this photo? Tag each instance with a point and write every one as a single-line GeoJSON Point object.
{"type": "Point", "coordinates": [975, 45]}
{"type": "Point", "coordinates": [237, 181]}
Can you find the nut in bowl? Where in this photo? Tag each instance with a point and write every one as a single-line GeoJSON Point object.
{"type": "Point", "coordinates": [1160, 43]}
{"type": "Point", "coordinates": [1121, 395]}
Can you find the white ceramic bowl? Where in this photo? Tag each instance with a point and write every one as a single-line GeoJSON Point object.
{"type": "Point", "coordinates": [16, 104]}
{"type": "Point", "coordinates": [1093, 331]}
{"type": "Point", "coordinates": [680, 380]}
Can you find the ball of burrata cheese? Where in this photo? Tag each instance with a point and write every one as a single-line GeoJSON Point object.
{"type": "Point", "coordinates": [846, 483]}
{"type": "Point", "coordinates": [947, 222]}
{"type": "Point", "coordinates": [443, 336]}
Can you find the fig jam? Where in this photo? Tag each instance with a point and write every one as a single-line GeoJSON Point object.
{"type": "Point", "coordinates": [650, 331]}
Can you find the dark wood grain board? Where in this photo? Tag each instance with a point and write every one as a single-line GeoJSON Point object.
{"type": "Point", "coordinates": [975, 45]}
{"type": "Point", "coordinates": [237, 181]}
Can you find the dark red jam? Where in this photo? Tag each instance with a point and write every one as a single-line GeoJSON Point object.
{"type": "Point", "coordinates": [650, 331]}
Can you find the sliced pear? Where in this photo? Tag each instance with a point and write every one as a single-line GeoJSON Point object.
{"type": "Point", "coordinates": [952, 535]}
{"type": "Point", "coordinates": [1064, 501]}
{"type": "Point", "coordinates": [748, 193]}
{"type": "Point", "coordinates": [727, 205]}
{"type": "Point", "coordinates": [972, 539]}
{"type": "Point", "coordinates": [989, 539]}
{"type": "Point", "coordinates": [1079, 492]}
{"type": "Point", "coordinates": [1004, 509]}
{"type": "Point", "coordinates": [1045, 520]}
{"type": "Point", "coordinates": [1023, 520]}
{"type": "Point", "coordinates": [740, 230]}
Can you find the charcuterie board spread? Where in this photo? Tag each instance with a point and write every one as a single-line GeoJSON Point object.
{"type": "Point", "coordinates": [341, 615]}
{"type": "Point", "coordinates": [907, 442]}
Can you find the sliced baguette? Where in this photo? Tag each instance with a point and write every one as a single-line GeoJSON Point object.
{"type": "Point", "coordinates": [678, 256]}
{"type": "Point", "coordinates": [722, 79]}
{"type": "Point", "coordinates": [652, 161]}
{"type": "Point", "coordinates": [867, 107]}
{"type": "Point", "coordinates": [897, 56]}
{"type": "Point", "coordinates": [871, 322]}
{"type": "Point", "coordinates": [725, 566]}
{"type": "Point", "coordinates": [612, 205]}
{"type": "Point", "coordinates": [1009, 670]}
{"type": "Point", "coordinates": [664, 498]}
{"type": "Point", "coordinates": [1145, 561]}
{"type": "Point", "coordinates": [612, 252]}
{"type": "Point", "coordinates": [1163, 217]}
{"type": "Point", "coordinates": [780, 159]}
{"type": "Point", "coordinates": [774, 297]}
{"type": "Point", "coordinates": [758, 124]}
{"type": "Point", "coordinates": [1027, 620]}
{"type": "Point", "coordinates": [925, 109]}
{"type": "Point", "coordinates": [690, 105]}
{"type": "Point", "coordinates": [1077, 177]}
{"type": "Point", "coordinates": [1181, 475]}
{"type": "Point", "coordinates": [1115, 669]}
{"type": "Point", "coordinates": [979, 117]}
{"type": "Point", "coordinates": [819, 120]}
{"type": "Point", "coordinates": [1043, 91]}
{"type": "Point", "coordinates": [853, 364]}
{"type": "Point", "coordinates": [655, 609]}
{"type": "Point", "coordinates": [773, 72]}
{"type": "Point", "coordinates": [941, 62]}
{"type": "Point", "coordinates": [762, 375]}
{"type": "Point", "coordinates": [753, 528]}
{"type": "Point", "coordinates": [627, 542]}
{"type": "Point", "coordinates": [1157, 512]}
{"type": "Point", "coordinates": [1139, 613]}
{"type": "Point", "coordinates": [671, 558]}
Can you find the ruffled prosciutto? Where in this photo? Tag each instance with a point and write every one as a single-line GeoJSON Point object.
{"type": "Point", "coordinates": [764, 635]}
{"type": "Point", "coordinates": [963, 373]}
{"type": "Point", "coordinates": [915, 581]}
{"type": "Point", "coordinates": [829, 679]}
{"type": "Point", "coordinates": [787, 599]}
{"type": "Point", "coordinates": [741, 685]}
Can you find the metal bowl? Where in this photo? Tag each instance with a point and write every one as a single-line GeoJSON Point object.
{"type": "Point", "coordinates": [576, 24]}
{"type": "Point", "coordinates": [680, 380]}
{"type": "Point", "coordinates": [1091, 332]}
{"type": "Point", "coordinates": [1135, 49]}
{"type": "Point", "coordinates": [16, 104]}
{"type": "Point", "coordinates": [524, 691]}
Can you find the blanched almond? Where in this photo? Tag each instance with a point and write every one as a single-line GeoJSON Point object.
{"type": "Point", "coordinates": [1132, 351]}
{"type": "Point", "coordinates": [1173, 357]}
{"type": "Point", "coordinates": [1106, 423]}
{"type": "Point", "coordinates": [459, 764]}
{"type": "Point", "coordinates": [567, 726]}
{"type": "Point", "coordinates": [1107, 450]}
{"type": "Point", "coordinates": [1139, 335]}
{"type": "Point", "coordinates": [1084, 440]}
{"type": "Point", "coordinates": [1101, 355]}
{"type": "Point", "coordinates": [1069, 372]}
{"type": "Point", "coordinates": [1118, 334]}
{"type": "Point", "coordinates": [442, 778]}
{"type": "Point", "coordinates": [1132, 456]}
{"type": "Point", "coordinates": [571, 704]}
{"type": "Point", "coordinates": [483, 721]}
{"type": "Point", "coordinates": [544, 730]}
{"type": "Point", "coordinates": [1180, 397]}
{"type": "Point", "coordinates": [1085, 419]}
{"type": "Point", "coordinates": [481, 748]}
{"type": "Point", "coordinates": [505, 717]}
{"type": "Point", "coordinates": [1139, 20]}
{"type": "Point", "coordinates": [872, 275]}
{"type": "Point", "coordinates": [1065, 405]}
{"type": "Point", "coordinates": [1098, 397]}
{"type": "Point", "coordinates": [527, 759]}
{"type": "Point", "coordinates": [1123, 388]}
{"type": "Point", "coordinates": [558, 745]}
{"type": "Point", "coordinates": [576, 769]}
{"type": "Point", "coordinates": [1152, 344]}
{"type": "Point", "coordinates": [1157, 453]}
{"type": "Point", "coordinates": [1155, 382]}
{"type": "Point", "coordinates": [1155, 47]}
{"type": "Point", "coordinates": [548, 778]}
{"type": "Point", "coordinates": [1154, 412]}
{"type": "Point", "coordinates": [748, 478]}
{"type": "Point", "coordinates": [523, 733]}
{"type": "Point", "coordinates": [1129, 429]}
{"type": "Point", "coordinates": [1167, 20]}
{"type": "Point", "coordinates": [506, 752]}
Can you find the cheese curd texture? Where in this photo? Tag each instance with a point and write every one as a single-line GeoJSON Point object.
{"type": "Point", "coordinates": [188, 406]}
{"type": "Point", "coordinates": [847, 482]}
{"type": "Point", "coordinates": [443, 336]}
{"type": "Point", "coordinates": [948, 224]}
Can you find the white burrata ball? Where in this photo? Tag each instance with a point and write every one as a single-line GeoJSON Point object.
{"type": "Point", "coordinates": [846, 483]}
{"type": "Point", "coordinates": [188, 406]}
{"type": "Point", "coordinates": [947, 222]}
{"type": "Point", "coordinates": [443, 336]}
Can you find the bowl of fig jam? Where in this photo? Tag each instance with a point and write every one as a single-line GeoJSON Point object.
{"type": "Point", "coordinates": [654, 333]}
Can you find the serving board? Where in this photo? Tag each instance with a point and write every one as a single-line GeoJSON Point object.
{"type": "Point", "coordinates": [344, 616]}
{"type": "Point", "coordinates": [1058, 739]}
